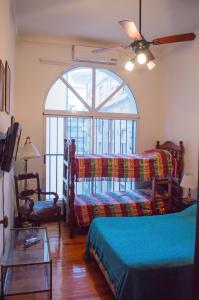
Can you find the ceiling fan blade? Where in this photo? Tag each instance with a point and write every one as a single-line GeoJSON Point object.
{"type": "Point", "coordinates": [130, 29]}
{"type": "Point", "coordinates": [149, 54]}
{"type": "Point", "coordinates": [174, 38]}
{"type": "Point", "coordinates": [102, 50]}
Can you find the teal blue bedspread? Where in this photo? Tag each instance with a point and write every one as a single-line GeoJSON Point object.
{"type": "Point", "coordinates": [147, 258]}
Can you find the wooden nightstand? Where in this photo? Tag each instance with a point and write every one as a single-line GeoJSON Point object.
{"type": "Point", "coordinates": [181, 204]}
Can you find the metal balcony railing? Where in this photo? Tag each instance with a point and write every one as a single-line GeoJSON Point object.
{"type": "Point", "coordinates": [92, 135]}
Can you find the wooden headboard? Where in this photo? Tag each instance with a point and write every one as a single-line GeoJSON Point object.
{"type": "Point", "coordinates": [177, 151]}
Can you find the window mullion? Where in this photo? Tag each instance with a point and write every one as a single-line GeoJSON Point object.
{"type": "Point", "coordinates": [93, 134]}
{"type": "Point", "coordinates": [110, 96]}
{"type": "Point", "coordinates": [75, 93]}
{"type": "Point", "coordinates": [93, 107]}
{"type": "Point", "coordinates": [93, 88]}
{"type": "Point", "coordinates": [66, 94]}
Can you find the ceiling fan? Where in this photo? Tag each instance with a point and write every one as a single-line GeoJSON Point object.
{"type": "Point", "coordinates": [140, 46]}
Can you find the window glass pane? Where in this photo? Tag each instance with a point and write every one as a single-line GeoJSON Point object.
{"type": "Point", "coordinates": [121, 102]}
{"type": "Point", "coordinates": [114, 136]}
{"type": "Point", "coordinates": [73, 103]}
{"type": "Point", "coordinates": [79, 129]}
{"type": "Point", "coordinates": [62, 98]}
{"type": "Point", "coordinates": [48, 187]}
{"type": "Point", "coordinates": [58, 128]}
{"type": "Point", "coordinates": [106, 83]}
{"type": "Point", "coordinates": [59, 175]}
{"type": "Point", "coordinates": [53, 174]}
{"type": "Point", "coordinates": [56, 98]}
{"type": "Point", "coordinates": [47, 134]}
{"type": "Point", "coordinates": [81, 80]}
{"type": "Point", "coordinates": [52, 135]}
{"type": "Point", "coordinates": [60, 136]}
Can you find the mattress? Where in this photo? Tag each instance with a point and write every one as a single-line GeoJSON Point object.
{"type": "Point", "coordinates": [156, 163]}
{"type": "Point", "coordinates": [136, 202]}
{"type": "Point", "coordinates": [146, 258]}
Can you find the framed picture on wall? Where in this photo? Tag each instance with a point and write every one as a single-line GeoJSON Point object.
{"type": "Point", "coordinates": [2, 90]}
{"type": "Point", "coordinates": [7, 87]}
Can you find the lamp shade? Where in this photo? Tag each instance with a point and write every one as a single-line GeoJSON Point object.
{"type": "Point", "coordinates": [188, 181]}
{"type": "Point", "coordinates": [29, 150]}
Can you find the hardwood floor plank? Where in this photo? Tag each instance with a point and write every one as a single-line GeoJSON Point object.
{"type": "Point", "coordinates": [73, 277]}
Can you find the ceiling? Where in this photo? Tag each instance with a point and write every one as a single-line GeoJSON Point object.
{"type": "Point", "coordinates": [97, 20]}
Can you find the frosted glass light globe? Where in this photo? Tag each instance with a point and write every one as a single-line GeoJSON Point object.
{"type": "Point", "coordinates": [141, 58]}
{"type": "Point", "coordinates": [129, 65]}
{"type": "Point", "coordinates": [151, 64]}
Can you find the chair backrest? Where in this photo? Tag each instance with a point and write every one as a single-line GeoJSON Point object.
{"type": "Point", "coordinates": [23, 179]}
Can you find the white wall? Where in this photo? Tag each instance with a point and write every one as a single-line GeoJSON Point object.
{"type": "Point", "coordinates": [34, 79]}
{"type": "Point", "coordinates": [167, 97]}
{"type": "Point", "coordinates": [7, 52]}
{"type": "Point", "coordinates": [180, 95]}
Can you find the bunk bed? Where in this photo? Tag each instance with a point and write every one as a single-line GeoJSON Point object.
{"type": "Point", "coordinates": [161, 166]}
{"type": "Point", "coordinates": [149, 258]}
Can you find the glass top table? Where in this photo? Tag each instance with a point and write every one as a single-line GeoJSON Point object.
{"type": "Point", "coordinates": [19, 262]}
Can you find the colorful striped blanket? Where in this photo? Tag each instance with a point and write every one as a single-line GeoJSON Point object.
{"type": "Point", "coordinates": [157, 164]}
{"type": "Point", "coordinates": [117, 204]}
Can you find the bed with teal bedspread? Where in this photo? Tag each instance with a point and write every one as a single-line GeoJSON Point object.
{"type": "Point", "coordinates": [146, 258]}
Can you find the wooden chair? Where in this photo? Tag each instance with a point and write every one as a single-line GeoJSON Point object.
{"type": "Point", "coordinates": [30, 206]}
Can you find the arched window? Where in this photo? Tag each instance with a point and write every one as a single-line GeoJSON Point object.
{"type": "Point", "coordinates": [94, 106]}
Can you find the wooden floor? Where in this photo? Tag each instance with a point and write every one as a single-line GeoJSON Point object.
{"type": "Point", "coordinates": [73, 277]}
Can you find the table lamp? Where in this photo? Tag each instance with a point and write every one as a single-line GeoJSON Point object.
{"type": "Point", "coordinates": [188, 182]}
{"type": "Point", "coordinates": [29, 151]}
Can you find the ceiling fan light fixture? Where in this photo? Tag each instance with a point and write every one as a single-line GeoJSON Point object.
{"type": "Point", "coordinates": [141, 58]}
{"type": "Point", "coordinates": [140, 46]}
{"type": "Point", "coordinates": [151, 65]}
{"type": "Point", "coordinates": [129, 66]}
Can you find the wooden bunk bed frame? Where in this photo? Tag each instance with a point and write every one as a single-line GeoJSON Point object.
{"type": "Point", "coordinates": [69, 177]}
{"type": "Point", "coordinates": [177, 152]}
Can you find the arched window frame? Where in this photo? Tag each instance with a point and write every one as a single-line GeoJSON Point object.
{"type": "Point", "coordinates": [92, 111]}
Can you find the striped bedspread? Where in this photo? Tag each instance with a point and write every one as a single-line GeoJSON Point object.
{"type": "Point", "coordinates": [157, 164]}
{"type": "Point", "coordinates": [117, 204]}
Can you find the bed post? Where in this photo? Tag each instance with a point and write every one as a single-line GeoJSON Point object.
{"type": "Point", "coordinates": [65, 179]}
{"type": "Point", "coordinates": [177, 152]}
{"type": "Point", "coordinates": [170, 194]}
{"type": "Point", "coordinates": [153, 195]}
{"type": "Point", "coordinates": [69, 182]}
{"type": "Point", "coordinates": [72, 223]}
